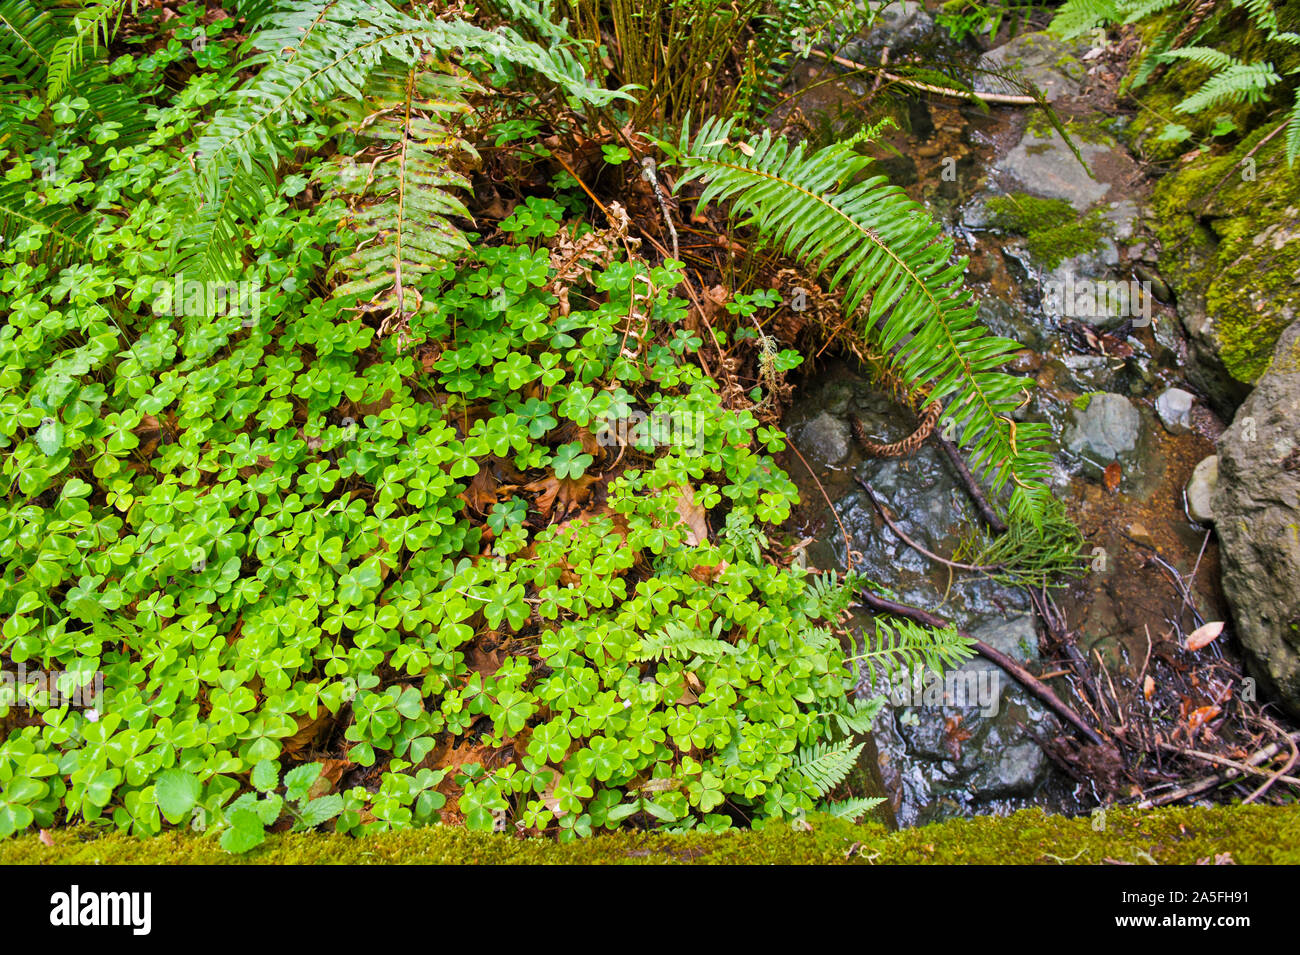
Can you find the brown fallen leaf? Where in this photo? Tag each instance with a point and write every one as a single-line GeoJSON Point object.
{"type": "Point", "coordinates": [1204, 635]}
{"type": "Point", "coordinates": [568, 493]}
{"type": "Point", "coordinates": [46, 838]}
{"type": "Point", "coordinates": [1148, 688]}
{"type": "Point", "coordinates": [1200, 716]}
{"type": "Point", "coordinates": [1112, 476]}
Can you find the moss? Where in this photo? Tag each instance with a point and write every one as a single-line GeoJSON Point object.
{"type": "Point", "coordinates": [1252, 834]}
{"type": "Point", "coordinates": [1052, 229]}
{"type": "Point", "coordinates": [1230, 242]}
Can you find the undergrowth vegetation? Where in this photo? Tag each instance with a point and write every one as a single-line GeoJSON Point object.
{"type": "Point", "coordinates": [319, 360]}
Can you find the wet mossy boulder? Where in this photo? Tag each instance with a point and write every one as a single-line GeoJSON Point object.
{"type": "Point", "coordinates": [1229, 229]}
{"type": "Point", "coordinates": [1257, 516]}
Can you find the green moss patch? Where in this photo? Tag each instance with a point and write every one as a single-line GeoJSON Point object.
{"type": "Point", "coordinates": [1250, 834]}
{"type": "Point", "coordinates": [1053, 231]}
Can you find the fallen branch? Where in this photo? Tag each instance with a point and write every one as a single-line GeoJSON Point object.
{"type": "Point", "coordinates": [1209, 782]}
{"type": "Point", "coordinates": [898, 532]}
{"type": "Point", "coordinates": [991, 518]}
{"type": "Point", "coordinates": [1014, 669]}
{"type": "Point", "coordinates": [1006, 99]}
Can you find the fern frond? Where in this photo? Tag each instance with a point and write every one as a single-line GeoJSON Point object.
{"type": "Point", "coordinates": [97, 20]}
{"type": "Point", "coordinates": [904, 645]}
{"type": "Point", "coordinates": [1203, 55]}
{"type": "Point", "coordinates": [64, 229]}
{"type": "Point", "coordinates": [820, 768]}
{"type": "Point", "coordinates": [1261, 14]}
{"type": "Point", "coordinates": [28, 35]}
{"type": "Point", "coordinates": [1135, 10]}
{"type": "Point", "coordinates": [1077, 17]}
{"type": "Point", "coordinates": [893, 261]}
{"type": "Point", "coordinates": [401, 225]}
{"type": "Point", "coordinates": [1233, 84]}
{"type": "Point", "coordinates": [860, 716]}
{"type": "Point", "coordinates": [852, 809]}
{"type": "Point", "coordinates": [678, 641]}
{"type": "Point", "coordinates": [1293, 131]}
{"type": "Point", "coordinates": [319, 50]}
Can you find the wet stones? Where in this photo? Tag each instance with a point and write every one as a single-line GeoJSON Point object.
{"type": "Point", "coordinates": [1174, 408]}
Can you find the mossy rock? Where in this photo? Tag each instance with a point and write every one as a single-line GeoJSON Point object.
{"type": "Point", "coordinates": [1052, 229]}
{"type": "Point", "coordinates": [1251, 834]}
{"type": "Point", "coordinates": [1229, 228]}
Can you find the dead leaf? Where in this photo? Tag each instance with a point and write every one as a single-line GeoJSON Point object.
{"type": "Point", "coordinates": [308, 730]}
{"type": "Point", "coordinates": [1204, 635]}
{"type": "Point", "coordinates": [46, 838]}
{"type": "Point", "coordinates": [1112, 476]}
{"type": "Point", "coordinates": [569, 493]}
{"type": "Point", "coordinates": [1201, 716]}
{"type": "Point", "coordinates": [1148, 688]}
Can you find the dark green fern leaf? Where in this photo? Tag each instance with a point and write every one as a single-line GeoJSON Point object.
{"type": "Point", "coordinates": [898, 277]}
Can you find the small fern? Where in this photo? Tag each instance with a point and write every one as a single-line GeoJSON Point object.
{"type": "Point", "coordinates": [904, 645]}
{"type": "Point", "coordinates": [400, 210]}
{"type": "Point", "coordinates": [818, 769]}
{"type": "Point", "coordinates": [678, 641]}
{"type": "Point", "coordinates": [852, 809]}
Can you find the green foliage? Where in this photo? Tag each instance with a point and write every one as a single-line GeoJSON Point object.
{"type": "Point", "coordinates": [1231, 80]}
{"type": "Point", "coordinates": [897, 275]}
{"type": "Point", "coordinates": [1052, 229]}
{"type": "Point", "coordinates": [906, 646]}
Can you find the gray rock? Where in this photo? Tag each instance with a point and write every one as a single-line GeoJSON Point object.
{"type": "Point", "coordinates": [1107, 428]}
{"type": "Point", "coordinates": [898, 25]}
{"type": "Point", "coordinates": [1174, 407]}
{"type": "Point", "coordinates": [1048, 62]}
{"type": "Point", "coordinates": [1200, 490]}
{"type": "Point", "coordinates": [1257, 519]}
{"type": "Point", "coordinates": [1044, 164]}
{"type": "Point", "coordinates": [825, 439]}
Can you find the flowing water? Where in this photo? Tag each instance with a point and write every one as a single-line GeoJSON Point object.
{"type": "Point", "coordinates": [1097, 391]}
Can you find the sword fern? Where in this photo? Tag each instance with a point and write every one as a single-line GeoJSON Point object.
{"type": "Point", "coordinates": [899, 280]}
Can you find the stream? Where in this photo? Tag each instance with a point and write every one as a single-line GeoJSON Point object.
{"type": "Point", "coordinates": [1129, 429]}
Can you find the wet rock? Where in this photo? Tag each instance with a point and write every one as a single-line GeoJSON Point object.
{"type": "Point", "coordinates": [825, 439]}
{"type": "Point", "coordinates": [1257, 519]}
{"type": "Point", "coordinates": [1236, 282]}
{"type": "Point", "coordinates": [1046, 61]}
{"type": "Point", "coordinates": [898, 25]}
{"type": "Point", "coordinates": [1174, 408]}
{"type": "Point", "coordinates": [1106, 428]}
{"type": "Point", "coordinates": [1200, 490]}
{"type": "Point", "coordinates": [1044, 164]}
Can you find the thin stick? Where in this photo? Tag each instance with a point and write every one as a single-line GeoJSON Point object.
{"type": "Point", "coordinates": [1280, 774]}
{"type": "Point", "coordinates": [991, 518]}
{"type": "Point", "coordinates": [898, 532]}
{"type": "Point", "coordinates": [1016, 671]}
{"type": "Point", "coordinates": [1231, 763]}
{"type": "Point", "coordinates": [1209, 782]}
{"type": "Point", "coordinates": [1007, 99]}
{"type": "Point", "coordinates": [848, 546]}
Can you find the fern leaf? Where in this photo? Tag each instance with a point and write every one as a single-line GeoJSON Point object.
{"type": "Point", "coordinates": [820, 768]}
{"type": "Point", "coordinates": [678, 641]}
{"type": "Point", "coordinates": [893, 261]}
{"type": "Point", "coordinates": [904, 645]}
{"type": "Point", "coordinates": [860, 716]}
{"type": "Point", "coordinates": [852, 809]}
{"type": "Point", "coordinates": [1078, 17]}
{"type": "Point", "coordinates": [1204, 55]}
{"type": "Point", "coordinates": [319, 50]}
{"type": "Point", "coordinates": [1293, 131]}
{"type": "Point", "coordinates": [1233, 84]}
{"type": "Point", "coordinates": [402, 228]}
